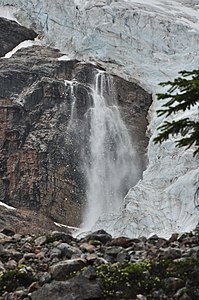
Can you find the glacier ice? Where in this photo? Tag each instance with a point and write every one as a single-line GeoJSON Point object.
{"type": "Point", "coordinates": [146, 42]}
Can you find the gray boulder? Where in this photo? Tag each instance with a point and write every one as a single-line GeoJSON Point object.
{"type": "Point", "coordinates": [78, 288]}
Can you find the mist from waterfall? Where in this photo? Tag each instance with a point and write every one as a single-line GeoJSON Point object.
{"type": "Point", "coordinates": [109, 158]}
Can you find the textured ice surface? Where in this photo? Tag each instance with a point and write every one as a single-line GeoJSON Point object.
{"type": "Point", "coordinates": [8, 12]}
{"type": "Point", "coordinates": [147, 42]}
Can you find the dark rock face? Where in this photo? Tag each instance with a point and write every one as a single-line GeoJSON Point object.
{"type": "Point", "coordinates": [40, 154]}
{"type": "Point", "coordinates": [12, 34]}
{"type": "Point", "coordinates": [134, 104]}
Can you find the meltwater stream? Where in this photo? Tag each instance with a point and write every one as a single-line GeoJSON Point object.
{"type": "Point", "coordinates": [109, 161]}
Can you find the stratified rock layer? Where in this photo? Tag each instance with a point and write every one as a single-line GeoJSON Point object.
{"type": "Point", "coordinates": [41, 163]}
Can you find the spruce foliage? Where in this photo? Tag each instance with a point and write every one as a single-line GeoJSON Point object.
{"type": "Point", "coordinates": [182, 94]}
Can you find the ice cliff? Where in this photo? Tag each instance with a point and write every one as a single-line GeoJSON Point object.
{"type": "Point", "coordinates": [146, 42]}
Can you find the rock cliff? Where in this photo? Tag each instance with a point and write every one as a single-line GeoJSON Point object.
{"type": "Point", "coordinates": [41, 164]}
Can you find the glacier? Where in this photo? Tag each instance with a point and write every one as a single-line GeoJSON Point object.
{"type": "Point", "coordinates": [147, 42]}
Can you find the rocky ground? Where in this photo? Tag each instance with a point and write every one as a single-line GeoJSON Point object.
{"type": "Point", "coordinates": [58, 266]}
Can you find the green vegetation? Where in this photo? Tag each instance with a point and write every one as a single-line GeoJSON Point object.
{"type": "Point", "coordinates": [11, 279]}
{"type": "Point", "coordinates": [183, 93]}
{"type": "Point", "coordinates": [128, 279]}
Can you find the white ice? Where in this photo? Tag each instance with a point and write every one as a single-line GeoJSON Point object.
{"type": "Point", "coordinates": [8, 12]}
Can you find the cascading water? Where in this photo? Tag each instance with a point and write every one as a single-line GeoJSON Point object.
{"type": "Point", "coordinates": [109, 158]}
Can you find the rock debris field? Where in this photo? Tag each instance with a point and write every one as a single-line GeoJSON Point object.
{"type": "Point", "coordinates": [97, 266]}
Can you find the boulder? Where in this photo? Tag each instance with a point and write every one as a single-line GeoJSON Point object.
{"type": "Point", "coordinates": [64, 269]}
{"type": "Point", "coordinates": [99, 235]}
{"type": "Point", "coordinates": [78, 288]}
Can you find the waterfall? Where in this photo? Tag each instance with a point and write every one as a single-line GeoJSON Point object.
{"type": "Point", "coordinates": [109, 159]}
{"type": "Point", "coordinates": [73, 114]}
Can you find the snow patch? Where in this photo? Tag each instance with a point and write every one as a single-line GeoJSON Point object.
{"type": "Point", "coordinates": [66, 226]}
{"type": "Point", "coordinates": [65, 58]}
{"type": "Point", "coordinates": [24, 44]}
{"type": "Point", "coordinates": [7, 206]}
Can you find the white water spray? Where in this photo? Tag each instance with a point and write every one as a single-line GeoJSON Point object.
{"type": "Point", "coordinates": [109, 160]}
{"type": "Point", "coordinates": [73, 114]}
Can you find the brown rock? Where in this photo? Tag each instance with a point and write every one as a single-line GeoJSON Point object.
{"type": "Point", "coordinates": [86, 247]}
{"type": "Point", "coordinates": [174, 237]}
{"type": "Point", "coordinates": [120, 241]}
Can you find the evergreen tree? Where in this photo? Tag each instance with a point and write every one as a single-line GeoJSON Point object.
{"type": "Point", "coordinates": [182, 94]}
